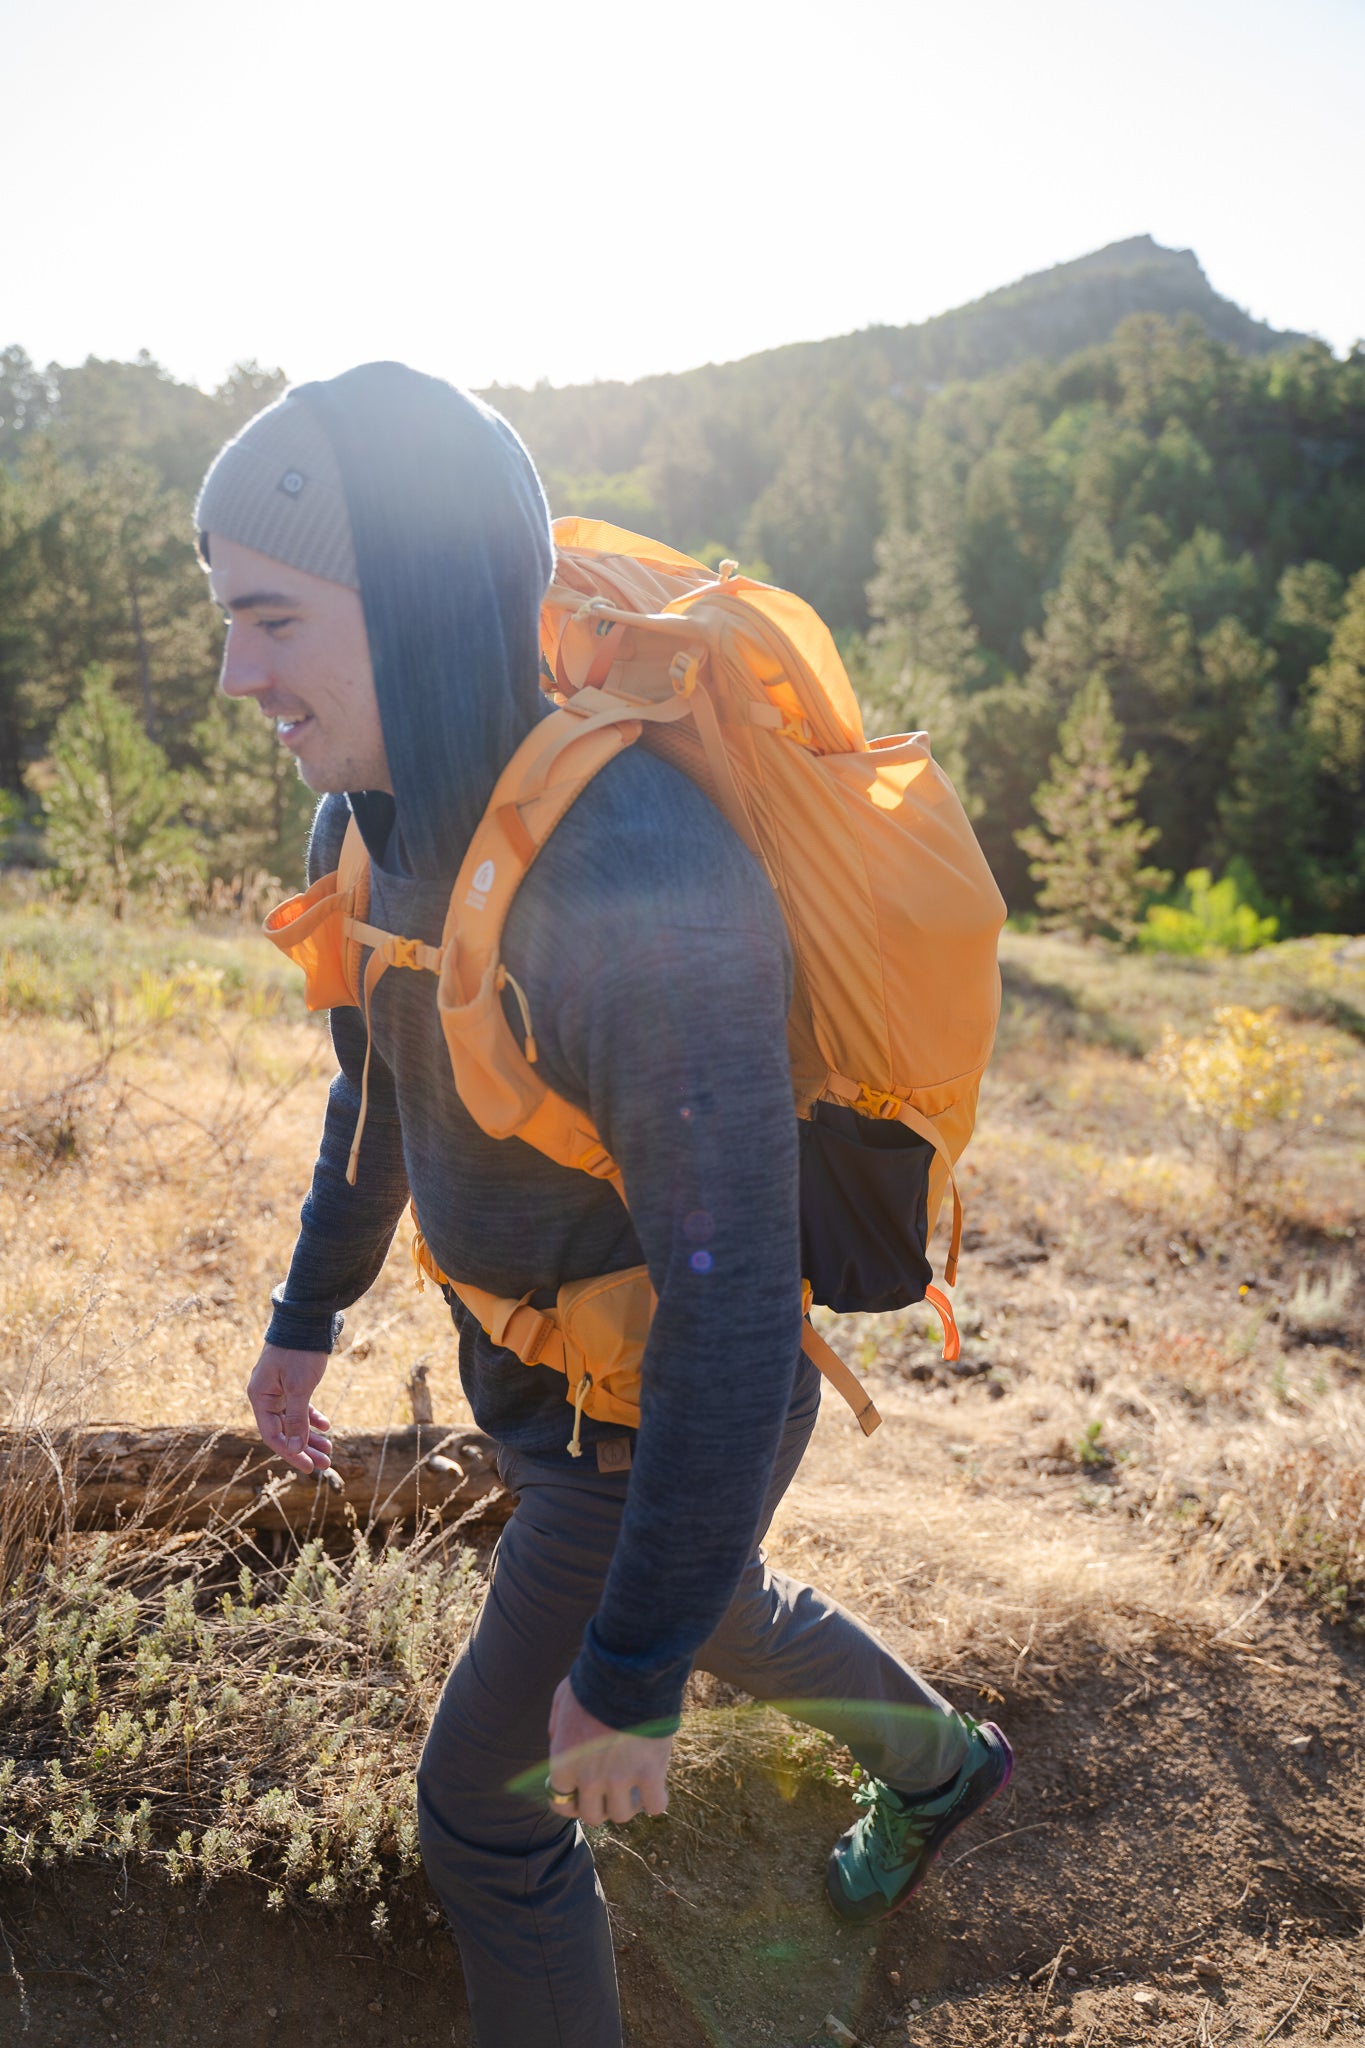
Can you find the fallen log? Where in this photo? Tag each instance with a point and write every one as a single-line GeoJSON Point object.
{"type": "Point", "coordinates": [104, 1476]}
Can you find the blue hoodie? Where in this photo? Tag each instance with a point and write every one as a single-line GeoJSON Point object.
{"type": "Point", "coordinates": [655, 962]}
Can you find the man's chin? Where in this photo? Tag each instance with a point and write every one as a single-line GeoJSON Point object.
{"type": "Point", "coordinates": [330, 778]}
{"type": "Point", "coordinates": [321, 780]}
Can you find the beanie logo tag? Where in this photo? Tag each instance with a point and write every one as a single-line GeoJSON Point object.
{"type": "Point", "coordinates": [292, 482]}
{"type": "Point", "coordinates": [483, 881]}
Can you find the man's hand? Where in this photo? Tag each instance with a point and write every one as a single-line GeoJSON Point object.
{"type": "Point", "coordinates": [610, 1775]}
{"type": "Point", "coordinates": [290, 1425]}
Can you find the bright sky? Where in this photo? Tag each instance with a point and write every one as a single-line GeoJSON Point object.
{"type": "Point", "coordinates": [506, 191]}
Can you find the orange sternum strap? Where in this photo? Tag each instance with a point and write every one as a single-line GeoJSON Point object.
{"type": "Point", "coordinates": [388, 950]}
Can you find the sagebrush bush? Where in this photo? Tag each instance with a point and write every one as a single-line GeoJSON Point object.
{"type": "Point", "coordinates": [270, 1725]}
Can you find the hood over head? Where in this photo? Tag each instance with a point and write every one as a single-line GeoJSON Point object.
{"type": "Point", "coordinates": [428, 503]}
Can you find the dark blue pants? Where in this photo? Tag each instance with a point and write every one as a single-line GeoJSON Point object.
{"type": "Point", "coordinates": [517, 1880]}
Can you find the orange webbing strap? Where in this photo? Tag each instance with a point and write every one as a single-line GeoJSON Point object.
{"type": "Point", "coordinates": [604, 660]}
{"type": "Point", "coordinates": [397, 951]}
{"type": "Point", "coordinates": [952, 1341]}
{"type": "Point", "coordinates": [599, 707]}
{"type": "Point", "coordinates": [690, 700]}
{"type": "Point", "coordinates": [571, 1139]}
{"type": "Point", "coordinates": [925, 1129]}
{"type": "Point", "coordinates": [389, 950]}
{"type": "Point", "coordinates": [604, 655]}
{"type": "Point", "coordinates": [353, 875]}
{"type": "Point", "coordinates": [841, 1377]}
{"type": "Point", "coordinates": [532, 1334]}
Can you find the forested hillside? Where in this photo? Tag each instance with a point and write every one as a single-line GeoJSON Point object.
{"type": "Point", "coordinates": [1183, 521]}
{"type": "Point", "coordinates": [1103, 471]}
{"type": "Point", "coordinates": [694, 452]}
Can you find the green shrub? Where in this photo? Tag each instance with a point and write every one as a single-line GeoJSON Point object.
{"type": "Point", "coordinates": [1213, 918]}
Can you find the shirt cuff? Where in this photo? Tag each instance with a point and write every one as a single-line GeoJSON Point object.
{"type": "Point", "coordinates": [298, 1326]}
{"type": "Point", "coordinates": [632, 1693]}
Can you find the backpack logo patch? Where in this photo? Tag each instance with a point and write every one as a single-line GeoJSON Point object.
{"type": "Point", "coordinates": [482, 883]}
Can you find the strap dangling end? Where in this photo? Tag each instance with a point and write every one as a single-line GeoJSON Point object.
{"type": "Point", "coordinates": [955, 1242]}
{"type": "Point", "coordinates": [868, 1419]}
{"type": "Point", "coordinates": [952, 1340]}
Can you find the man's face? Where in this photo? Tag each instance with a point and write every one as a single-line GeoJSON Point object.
{"type": "Point", "coordinates": [297, 644]}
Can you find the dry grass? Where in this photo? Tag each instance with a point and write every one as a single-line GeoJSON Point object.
{"type": "Point", "coordinates": [1159, 1418]}
{"type": "Point", "coordinates": [159, 1115]}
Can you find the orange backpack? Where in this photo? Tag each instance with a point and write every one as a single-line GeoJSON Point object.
{"type": "Point", "coordinates": [891, 911]}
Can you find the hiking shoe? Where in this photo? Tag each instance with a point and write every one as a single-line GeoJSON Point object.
{"type": "Point", "coordinates": [878, 1862]}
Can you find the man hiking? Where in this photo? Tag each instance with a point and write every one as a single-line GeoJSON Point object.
{"type": "Point", "coordinates": [380, 547]}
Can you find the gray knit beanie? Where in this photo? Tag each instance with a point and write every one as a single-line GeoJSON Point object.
{"type": "Point", "coordinates": [277, 488]}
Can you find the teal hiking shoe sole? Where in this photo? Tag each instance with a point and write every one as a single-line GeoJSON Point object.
{"type": "Point", "coordinates": [883, 1859]}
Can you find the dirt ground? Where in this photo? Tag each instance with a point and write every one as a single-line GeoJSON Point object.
{"type": "Point", "coordinates": [1178, 1859]}
{"type": "Point", "coordinates": [1127, 1526]}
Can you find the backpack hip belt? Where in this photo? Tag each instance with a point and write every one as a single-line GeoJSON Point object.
{"type": "Point", "coordinates": [596, 1335]}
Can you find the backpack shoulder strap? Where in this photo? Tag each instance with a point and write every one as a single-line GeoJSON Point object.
{"type": "Point", "coordinates": [547, 774]}
{"type": "Point", "coordinates": [495, 1076]}
{"type": "Point", "coordinates": [353, 880]}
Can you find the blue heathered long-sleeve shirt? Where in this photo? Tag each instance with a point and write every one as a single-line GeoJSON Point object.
{"type": "Point", "coordinates": [654, 958]}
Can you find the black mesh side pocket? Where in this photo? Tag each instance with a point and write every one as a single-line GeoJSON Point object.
{"type": "Point", "coordinates": [864, 1210]}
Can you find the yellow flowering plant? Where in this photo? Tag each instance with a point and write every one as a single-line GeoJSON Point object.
{"type": "Point", "coordinates": [1249, 1086]}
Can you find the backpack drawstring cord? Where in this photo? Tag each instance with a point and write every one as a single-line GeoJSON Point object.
{"type": "Point", "coordinates": [506, 980]}
{"type": "Point", "coordinates": [376, 966]}
{"type": "Point", "coordinates": [388, 949]}
{"type": "Point", "coordinates": [580, 1395]}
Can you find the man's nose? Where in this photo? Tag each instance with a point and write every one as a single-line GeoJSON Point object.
{"type": "Point", "coordinates": [243, 674]}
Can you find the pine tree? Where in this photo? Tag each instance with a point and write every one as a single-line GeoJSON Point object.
{"type": "Point", "coordinates": [1089, 859]}
{"type": "Point", "coordinates": [1335, 707]}
{"type": "Point", "coordinates": [245, 797]}
{"type": "Point", "coordinates": [1268, 812]}
{"type": "Point", "coordinates": [922, 654]}
{"type": "Point", "coordinates": [1336, 694]}
{"type": "Point", "coordinates": [112, 807]}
